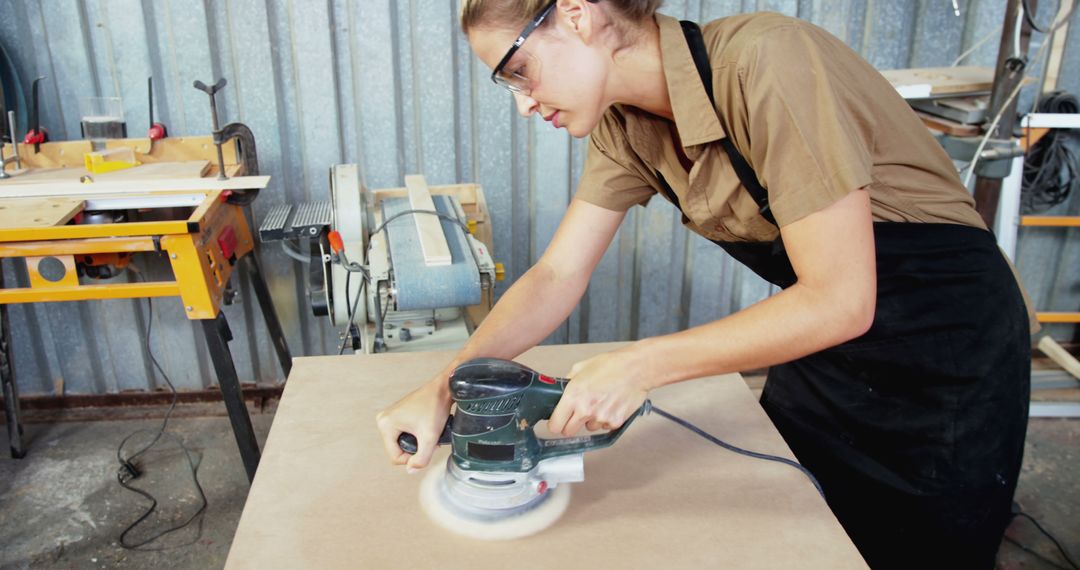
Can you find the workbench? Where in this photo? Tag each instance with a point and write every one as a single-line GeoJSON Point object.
{"type": "Point", "coordinates": [77, 232]}
{"type": "Point", "coordinates": [326, 496]}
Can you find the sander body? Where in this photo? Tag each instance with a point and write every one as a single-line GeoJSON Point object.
{"type": "Point", "coordinates": [501, 480]}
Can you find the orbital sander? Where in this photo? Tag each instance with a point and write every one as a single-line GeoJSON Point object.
{"type": "Point", "coordinates": [501, 481]}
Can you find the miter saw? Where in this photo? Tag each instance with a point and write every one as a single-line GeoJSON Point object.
{"type": "Point", "coordinates": [501, 481]}
{"type": "Point", "coordinates": [369, 271]}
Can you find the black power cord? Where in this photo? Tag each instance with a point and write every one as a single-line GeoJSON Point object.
{"type": "Point", "coordinates": [367, 277]}
{"type": "Point", "coordinates": [1016, 512]}
{"type": "Point", "coordinates": [740, 450]}
{"type": "Point", "coordinates": [1051, 169]}
{"type": "Point", "coordinates": [129, 469]}
{"type": "Point", "coordinates": [1029, 17]}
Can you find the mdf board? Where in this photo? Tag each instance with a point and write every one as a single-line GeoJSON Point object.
{"type": "Point", "coordinates": [325, 495]}
{"type": "Point", "coordinates": [37, 212]}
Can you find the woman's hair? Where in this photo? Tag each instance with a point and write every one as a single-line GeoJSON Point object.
{"type": "Point", "coordinates": [516, 13]}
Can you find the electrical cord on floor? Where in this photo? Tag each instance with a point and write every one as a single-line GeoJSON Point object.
{"type": "Point", "coordinates": [129, 469]}
{"type": "Point", "coordinates": [739, 450]}
{"type": "Point", "coordinates": [1051, 169]}
{"type": "Point", "coordinates": [1016, 512]}
{"type": "Point", "coordinates": [367, 277]}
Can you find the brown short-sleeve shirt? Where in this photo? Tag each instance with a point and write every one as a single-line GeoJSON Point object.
{"type": "Point", "coordinates": [813, 119]}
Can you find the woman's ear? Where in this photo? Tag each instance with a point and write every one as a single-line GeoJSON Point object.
{"type": "Point", "coordinates": [579, 16]}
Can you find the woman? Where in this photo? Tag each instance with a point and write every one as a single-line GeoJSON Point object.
{"type": "Point", "coordinates": [899, 346]}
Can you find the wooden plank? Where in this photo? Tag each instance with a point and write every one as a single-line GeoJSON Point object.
{"type": "Point", "coordinates": [158, 170]}
{"type": "Point", "coordinates": [1058, 354]}
{"type": "Point", "coordinates": [133, 186]}
{"type": "Point", "coordinates": [944, 80]}
{"type": "Point", "coordinates": [659, 485]}
{"type": "Point", "coordinates": [428, 228]}
{"type": "Point", "coordinates": [38, 212]}
{"type": "Point", "coordinates": [465, 193]}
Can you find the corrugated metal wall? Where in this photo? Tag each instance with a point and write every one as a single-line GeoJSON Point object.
{"type": "Point", "coordinates": [392, 86]}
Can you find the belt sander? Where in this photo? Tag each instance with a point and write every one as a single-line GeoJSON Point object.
{"type": "Point", "coordinates": [377, 280]}
{"type": "Point", "coordinates": [501, 481]}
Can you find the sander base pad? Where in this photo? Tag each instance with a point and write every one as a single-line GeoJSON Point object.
{"type": "Point", "coordinates": [435, 503]}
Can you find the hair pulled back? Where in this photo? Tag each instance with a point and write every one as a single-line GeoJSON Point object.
{"type": "Point", "coordinates": [516, 13]}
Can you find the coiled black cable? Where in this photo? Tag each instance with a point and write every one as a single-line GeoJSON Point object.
{"type": "Point", "coordinates": [129, 469]}
{"type": "Point", "coordinates": [1051, 168]}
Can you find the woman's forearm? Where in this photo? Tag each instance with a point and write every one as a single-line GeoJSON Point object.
{"type": "Point", "coordinates": [525, 315]}
{"type": "Point", "coordinates": [792, 324]}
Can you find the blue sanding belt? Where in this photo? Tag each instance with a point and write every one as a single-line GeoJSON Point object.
{"type": "Point", "coordinates": [422, 287]}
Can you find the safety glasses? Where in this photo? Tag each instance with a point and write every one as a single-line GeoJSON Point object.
{"type": "Point", "coordinates": [519, 78]}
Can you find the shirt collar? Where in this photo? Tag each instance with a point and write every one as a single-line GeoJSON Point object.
{"type": "Point", "coordinates": [695, 116]}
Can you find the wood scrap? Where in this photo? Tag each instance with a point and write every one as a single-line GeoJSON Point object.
{"type": "Point", "coordinates": [429, 228]}
{"type": "Point", "coordinates": [38, 212]}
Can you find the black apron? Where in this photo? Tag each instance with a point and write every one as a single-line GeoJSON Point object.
{"type": "Point", "coordinates": [916, 429]}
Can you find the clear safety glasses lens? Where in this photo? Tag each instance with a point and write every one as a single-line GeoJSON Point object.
{"type": "Point", "coordinates": [521, 80]}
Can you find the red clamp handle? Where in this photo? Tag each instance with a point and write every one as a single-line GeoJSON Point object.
{"type": "Point", "coordinates": [34, 136]}
{"type": "Point", "coordinates": [157, 132]}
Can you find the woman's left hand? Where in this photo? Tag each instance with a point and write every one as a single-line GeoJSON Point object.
{"type": "Point", "coordinates": [603, 392]}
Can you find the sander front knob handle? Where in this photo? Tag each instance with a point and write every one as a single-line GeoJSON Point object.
{"type": "Point", "coordinates": [407, 441]}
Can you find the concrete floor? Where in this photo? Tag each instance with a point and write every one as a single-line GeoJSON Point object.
{"type": "Point", "coordinates": [61, 506]}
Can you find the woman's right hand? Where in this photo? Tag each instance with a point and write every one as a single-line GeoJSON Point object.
{"type": "Point", "coordinates": [423, 413]}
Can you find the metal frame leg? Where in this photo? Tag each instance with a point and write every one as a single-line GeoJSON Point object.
{"type": "Point", "coordinates": [218, 336]}
{"type": "Point", "coordinates": [266, 304]}
{"type": "Point", "coordinates": [10, 389]}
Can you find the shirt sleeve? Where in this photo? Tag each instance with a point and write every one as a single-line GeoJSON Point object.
{"type": "Point", "coordinates": [812, 136]}
{"type": "Point", "coordinates": [609, 183]}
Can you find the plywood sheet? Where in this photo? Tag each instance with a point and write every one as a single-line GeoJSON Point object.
{"type": "Point", "coordinates": [325, 495]}
{"type": "Point", "coordinates": [37, 212]}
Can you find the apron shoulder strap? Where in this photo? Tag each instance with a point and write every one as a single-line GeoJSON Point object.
{"type": "Point", "coordinates": [746, 173]}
